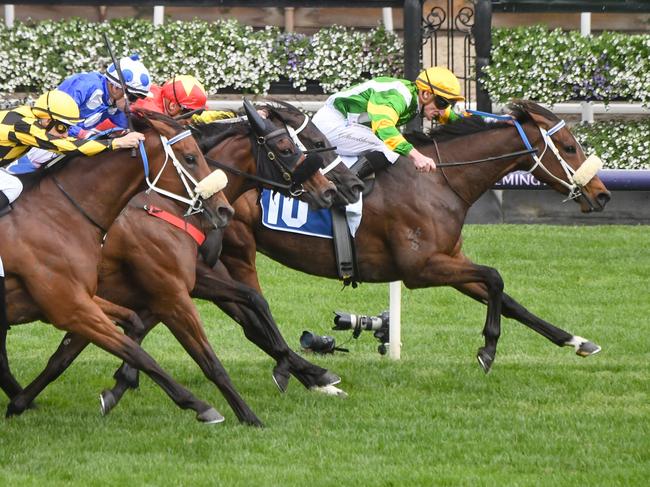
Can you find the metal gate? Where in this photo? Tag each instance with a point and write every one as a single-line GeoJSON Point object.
{"type": "Point", "coordinates": [447, 40]}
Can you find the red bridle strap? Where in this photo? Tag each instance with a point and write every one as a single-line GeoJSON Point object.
{"type": "Point", "coordinates": [181, 223]}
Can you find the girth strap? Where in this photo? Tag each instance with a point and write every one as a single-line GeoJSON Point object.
{"type": "Point", "coordinates": [346, 263]}
{"type": "Point", "coordinates": [181, 223]}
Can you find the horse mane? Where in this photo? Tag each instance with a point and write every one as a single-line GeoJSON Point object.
{"type": "Point", "coordinates": [519, 109]}
{"type": "Point", "coordinates": [281, 108]}
{"type": "Point", "coordinates": [209, 135]}
{"type": "Point", "coordinates": [142, 116]}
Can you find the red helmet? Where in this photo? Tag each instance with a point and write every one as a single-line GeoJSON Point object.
{"type": "Point", "coordinates": [186, 91]}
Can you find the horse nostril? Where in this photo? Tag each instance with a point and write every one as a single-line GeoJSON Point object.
{"type": "Point", "coordinates": [329, 194]}
{"type": "Point", "coordinates": [603, 198]}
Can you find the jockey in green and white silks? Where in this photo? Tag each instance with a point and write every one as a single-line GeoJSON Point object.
{"type": "Point", "coordinates": [366, 117]}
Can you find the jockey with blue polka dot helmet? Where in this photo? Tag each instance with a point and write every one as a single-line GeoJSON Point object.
{"type": "Point", "coordinates": [100, 96]}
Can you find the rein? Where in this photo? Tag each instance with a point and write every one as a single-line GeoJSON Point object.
{"type": "Point", "coordinates": [252, 177]}
{"type": "Point", "coordinates": [78, 207]}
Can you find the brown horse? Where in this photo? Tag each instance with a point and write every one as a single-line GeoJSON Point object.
{"type": "Point", "coordinates": [411, 225]}
{"type": "Point", "coordinates": [130, 276]}
{"type": "Point", "coordinates": [55, 278]}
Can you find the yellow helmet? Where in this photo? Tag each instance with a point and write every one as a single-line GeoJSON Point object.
{"type": "Point", "coordinates": [57, 105]}
{"type": "Point", "coordinates": [440, 81]}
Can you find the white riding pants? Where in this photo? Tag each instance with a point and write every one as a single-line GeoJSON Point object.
{"type": "Point", "coordinates": [10, 185]}
{"type": "Point", "coordinates": [349, 137]}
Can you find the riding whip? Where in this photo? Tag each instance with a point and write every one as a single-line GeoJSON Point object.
{"type": "Point", "coordinates": [118, 69]}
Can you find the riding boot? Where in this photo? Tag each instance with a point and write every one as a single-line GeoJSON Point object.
{"type": "Point", "coordinates": [4, 322]}
{"type": "Point", "coordinates": [4, 201]}
{"type": "Point", "coordinates": [370, 163]}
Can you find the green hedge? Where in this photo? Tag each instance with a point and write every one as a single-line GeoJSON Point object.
{"type": "Point", "coordinates": [223, 54]}
{"type": "Point", "coordinates": [554, 66]}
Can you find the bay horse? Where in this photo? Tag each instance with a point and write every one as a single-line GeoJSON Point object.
{"type": "Point", "coordinates": [130, 271]}
{"type": "Point", "coordinates": [412, 222]}
{"type": "Point", "coordinates": [51, 242]}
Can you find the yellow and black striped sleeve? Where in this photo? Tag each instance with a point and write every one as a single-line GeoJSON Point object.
{"type": "Point", "coordinates": [26, 132]}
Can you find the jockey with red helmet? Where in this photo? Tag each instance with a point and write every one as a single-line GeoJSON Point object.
{"type": "Point", "coordinates": [180, 95]}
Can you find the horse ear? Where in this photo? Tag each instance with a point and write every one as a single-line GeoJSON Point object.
{"type": "Point", "coordinates": [257, 122]}
{"type": "Point", "coordinates": [541, 120]}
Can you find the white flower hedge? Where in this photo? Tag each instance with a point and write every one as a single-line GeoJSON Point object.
{"type": "Point", "coordinates": [621, 145]}
{"type": "Point", "coordinates": [553, 66]}
{"type": "Point", "coordinates": [531, 62]}
{"type": "Point", "coordinates": [223, 54]}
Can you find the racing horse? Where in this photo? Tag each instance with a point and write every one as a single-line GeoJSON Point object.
{"type": "Point", "coordinates": [55, 278]}
{"type": "Point", "coordinates": [412, 222]}
{"type": "Point", "coordinates": [245, 305]}
{"type": "Point", "coordinates": [129, 270]}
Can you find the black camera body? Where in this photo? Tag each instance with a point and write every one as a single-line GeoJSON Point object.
{"type": "Point", "coordinates": [379, 324]}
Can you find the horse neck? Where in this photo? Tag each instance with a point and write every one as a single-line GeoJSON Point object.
{"type": "Point", "coordinates": [103, 184]}
{"type": "Point", "coordinates": [236, 152]}
{"type": "Point", "coordinates": [473, 180]}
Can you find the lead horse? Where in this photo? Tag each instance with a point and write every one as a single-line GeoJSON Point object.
{"type": "Point", "coordinates": [412, 222]}
{"type": "Point", "coordinates": [51, 243]}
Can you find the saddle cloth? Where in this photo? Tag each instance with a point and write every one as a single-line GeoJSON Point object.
{"type": "Point", "coordinates": [287, 214]}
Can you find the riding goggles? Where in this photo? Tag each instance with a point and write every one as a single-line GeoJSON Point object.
{"type": "Point", "coordinates": [132, 97]}
{"type": "Point", "coordinates": [442, 102]}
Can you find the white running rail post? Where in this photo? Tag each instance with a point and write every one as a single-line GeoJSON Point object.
{"type": "Point", "coordinates": [395, 320]}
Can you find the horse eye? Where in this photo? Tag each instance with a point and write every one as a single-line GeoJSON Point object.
{"type": "Point", "coordinates": [320, 144]}
{"type": "Point", "coordinates": [571, 149]}
{"type": "Point", "coordinates": [287, 152]}
{"type": "Point", "coordinates": [190, 159]}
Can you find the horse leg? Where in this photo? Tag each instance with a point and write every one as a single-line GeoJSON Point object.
{"type": "Point", "coordinates": [8, 382]}
{"type": "Point", "coordinates": [69, 349]}
{"type": "Point", "coordinates": [248, 308]}
{"type": "Point", "coordinates": [183, 320]}
{"type": "Point", "coordinates": [127, 377]}
{"type": "Point", "coordinates": [87, 320]}
{"type": "Point", "coordinates": [126, 318]}
{"type": "Point", "coordinates": [512, 309]}
{"type": "Point", "coordinates": [445, 270]}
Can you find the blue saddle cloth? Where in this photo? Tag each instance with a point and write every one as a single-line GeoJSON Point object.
{"type": "Point", "coordinates": [291, 215]}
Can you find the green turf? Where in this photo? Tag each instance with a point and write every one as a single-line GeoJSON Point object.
{"type": "Point", "coordinates": [543, 416]}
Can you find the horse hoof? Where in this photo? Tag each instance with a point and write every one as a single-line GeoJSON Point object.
{"type": "Point", "coordinates": [328, 379]}
{"type": "Point", "coordinates": [13, 410]}
{"type": "Point", "coordinates": [281, 379]}
{"type": "Point", "coordinates": [584, 347]}
{"type": "Point", "coordinates": [106, 402]}
{"type": "Point", "coordinates": [484, 360]}
{"type": "Point", "coordinates": [210, 416]}
{"type": "Point", "coordinates": [330, 390]}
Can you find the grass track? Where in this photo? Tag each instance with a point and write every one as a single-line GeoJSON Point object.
{"type": "Point", "coordinates": [542, 417]}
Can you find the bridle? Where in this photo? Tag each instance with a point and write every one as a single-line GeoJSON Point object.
{"type": "Point", "coordinates": [193, 198]}
{"type": "Point", "coordinates": [575, 179]}
{"type": "Point", "coordinates": [293, 133]}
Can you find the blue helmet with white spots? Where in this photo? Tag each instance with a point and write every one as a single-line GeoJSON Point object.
{"type": "Point", "coordinates": [136, 76]}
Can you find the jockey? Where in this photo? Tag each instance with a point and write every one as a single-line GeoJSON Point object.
{"type": "Point", "coordinates": [46, 126]}
{"type": "Point", "coordinates": [99, 97]}
{"type": "Point", "coordinates": [180, 95]}
{"type": "Point", "coordinates": [365, 117]}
